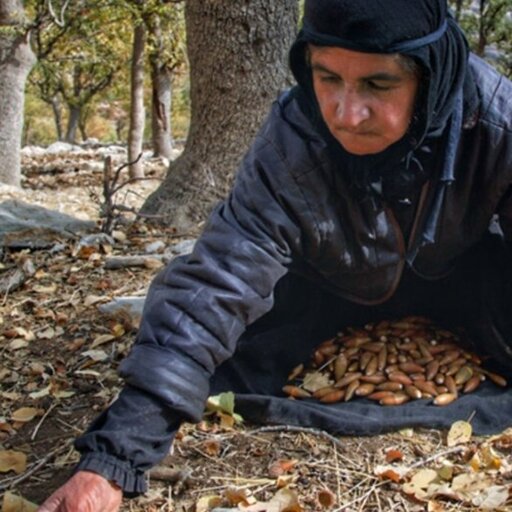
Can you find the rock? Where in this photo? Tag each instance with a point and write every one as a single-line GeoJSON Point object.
{"type": "Point", "coordinates": [93, 166]}
{"type": "Point", "coordinates": [181, 248]}
{"type": "Point", "coordinates": [28, 226]}
{"type": "Point", "coordinates": [111, 150]}
{"type": "Point", "coordinates": [131, 305]}
{"type": "Point", "coordinates": [154, 247]}
{"type": "Point", "coordinates": [32, 151]}
{"type": "Point", "coordinates": [95, 240]}
{"type": "Point", "coordinates": [61, 147]}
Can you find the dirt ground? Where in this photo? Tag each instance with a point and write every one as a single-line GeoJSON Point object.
{"type": "Point", "coordinates": [58, 364]}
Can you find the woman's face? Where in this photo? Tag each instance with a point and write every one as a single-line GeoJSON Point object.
{"type": "Point", "coordinates": [366, 99]}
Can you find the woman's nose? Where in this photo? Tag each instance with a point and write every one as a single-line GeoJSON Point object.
{"type": "Point", "coordinates": [351, 110]}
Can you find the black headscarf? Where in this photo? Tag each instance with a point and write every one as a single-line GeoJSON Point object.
{"type": "Point", "coordinates": [421, 29]}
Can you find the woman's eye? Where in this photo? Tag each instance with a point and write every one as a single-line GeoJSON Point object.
{"type": "Point", "coordinates": [376, 86]}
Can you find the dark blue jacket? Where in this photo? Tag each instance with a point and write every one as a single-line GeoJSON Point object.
{"type": "Point", "coordinates": [290, 210]}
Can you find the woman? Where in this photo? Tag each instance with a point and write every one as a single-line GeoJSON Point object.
{"type": "Point", "coordinates": [368, 191]}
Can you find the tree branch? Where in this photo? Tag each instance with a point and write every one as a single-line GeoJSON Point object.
{"type": "Point", "coordinates": [58, 20]}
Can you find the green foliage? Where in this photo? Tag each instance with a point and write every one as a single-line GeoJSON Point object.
{"type": "Point", "coordinates": [224, 404]}
{"type": "Point", "coordinates": [488, 25]}
{"type": "Point", "coordinates": [85, 63]}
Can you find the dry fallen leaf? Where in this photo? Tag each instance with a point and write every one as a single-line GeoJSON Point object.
{"type": "Point", "coordinates": [326, 498]}
{"type": "Point", "coordinates": [393, 455]}
{"type": "Point", "coordinates": [314, 381]}
{"type": "Point", "coordinates": [285, 500]}
{"type": "Point", "coordinates": [206, 503]}
{"type": "Point", "coordinates": [239, 496]}
{"type": "Point", "coordinates": [460, 432]}
{"type": "Point", "coordinates": [13, 503]}
{"type": "Point", "coordinates": [419, 483]}
{"type": "Point", "coordinates": [492, 498]}
{"type": "Point", "coordinates": [11, 460]}
{"type": "Point", "coordinates": [211, 447]}
{"type": "Point", "coordinates": [101, 339]}
{"type": "Point", "coordinates": [280, 467]}
{"type": "Point", "coordinates": [96, 355]}
{"type": "Point", "coordinates": [26, 414]}
{"type": "Point", "coordinates": [393, 473]}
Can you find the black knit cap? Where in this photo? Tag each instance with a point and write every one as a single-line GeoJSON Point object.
{"type": "Point", "coordinates": [421, 29]}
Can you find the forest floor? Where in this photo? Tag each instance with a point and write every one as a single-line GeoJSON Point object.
{"type": "Point", "coordinates": [58, 361]}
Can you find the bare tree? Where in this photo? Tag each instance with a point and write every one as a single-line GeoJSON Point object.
{"type": "Point", "coordinates": [137, 112]}
{"type": "Point", "coordinates": [238, 63]}
{"type": "Point", "coordinates": [16, 60]}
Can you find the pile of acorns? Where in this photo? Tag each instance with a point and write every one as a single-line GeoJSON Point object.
{"type": "Point", "coordinates": [391, 362]}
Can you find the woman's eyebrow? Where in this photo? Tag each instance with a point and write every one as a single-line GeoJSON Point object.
{"type": "Point", "coordinates": [379, 76]}
{"type": "Point", "coordinates": [383, 77]}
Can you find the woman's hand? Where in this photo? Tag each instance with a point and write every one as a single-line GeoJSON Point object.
{"type": "Point", "coordinates": [84, 492]}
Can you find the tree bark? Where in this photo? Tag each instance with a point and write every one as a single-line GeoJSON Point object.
{"type": "Point", "coordinates": [73, 121]}
{"type": "Point", "coordinates": [57, 115]}
{"type": "Point", "coordinates": [137, 113]}
{"type": "Point", "coordinates": [16, 60]}
{"type": "Point", "coordinates": [161, 93]}
{"type": "Point", "coordinates": [238, 63]}
{"type": "Point", "coordinates": [482, 37]}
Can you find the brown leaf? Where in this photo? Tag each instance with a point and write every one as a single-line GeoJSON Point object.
{"type": "Point", "coordinates": [326, 498]}
{"type": "Point", "coordinates": [393, 455]}
{"type": "Point", "coordinates": [212, 447]}
{"type": "Point", "coordinates": [206, 503]}
{"type": "Point", "coordinates": [11, 460]}
{"type": "Point", "coordinates": [238, 496]}
{"type": "Point", "coordinates": [26, 414]}
{"type": "Point", "coordinates": [280, 467]}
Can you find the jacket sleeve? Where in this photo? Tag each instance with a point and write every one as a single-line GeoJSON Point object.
{"type": "Point", "coordinates": [195, 311]}
{"type": "Point", "coordinates": [198, 307]}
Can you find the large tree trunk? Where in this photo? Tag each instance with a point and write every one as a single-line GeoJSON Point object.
{"type": "Point", "coordinates": [137, 114]}
{"type": "Point", "coordinates": [73, 121]}
{"type": "Point", "coordinates": [57, 116]}
{"type": "Point", "coordinates": [238, 63]}
{"type": "Point", "coordinates": [161, 93]}
{"type": "Point", "coordinates": [16, 60]}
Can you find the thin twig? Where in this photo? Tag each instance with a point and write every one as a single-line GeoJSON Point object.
{"type": "Point", "coordinates": [455, 449]}
{"type": "Point", "coordinates": [38, 426]}
{"type": "Point", "coordinates": [293, 428]}
{"type": "Point", "coordinates": [36, 466]}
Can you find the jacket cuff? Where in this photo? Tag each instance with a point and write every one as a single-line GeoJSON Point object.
{"type": "Point", "coordinates": [131, 481]}
{"type": "Point", "coordinates": [178, 381]}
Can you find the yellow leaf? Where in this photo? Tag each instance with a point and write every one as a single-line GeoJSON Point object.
{"type": "Point", "coordinates": [206, 503]}
{"type": "Point", "coordinates": [12, 461]}
{"type": "Point", "coordinates": [460, 432]}
{"type": "Point", "coordinates": [419, 483]}
{"type": "Point", "coordinates": [13, 503]}
{"type": "Point", "coordinates": [118, 330]}
{"type": "Point", "coordinates": [26, 414]}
